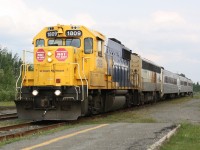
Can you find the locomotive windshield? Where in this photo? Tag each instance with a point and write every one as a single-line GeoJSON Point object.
{"type": "Point", "coordinates": [73, 42]}
{"type": "Point", "coordinates": [55, 42]}
{"type": "Point", "coordinates": [68, 42]}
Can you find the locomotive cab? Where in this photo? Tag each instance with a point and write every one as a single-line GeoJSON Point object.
{"type": "Point", "coordinates": [68, 60]}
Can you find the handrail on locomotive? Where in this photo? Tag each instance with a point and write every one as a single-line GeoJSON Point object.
{"type": "Point", "coordinates": [24, 68]}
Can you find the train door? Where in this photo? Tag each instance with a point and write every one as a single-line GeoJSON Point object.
{"type": "Point", "coordinates": [155, 80]}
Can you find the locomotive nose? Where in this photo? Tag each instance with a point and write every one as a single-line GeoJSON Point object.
{"type": "Point", "coordinates": [55, 66]}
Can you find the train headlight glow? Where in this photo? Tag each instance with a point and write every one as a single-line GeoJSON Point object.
{"type": "Point", "coordinates": [57, 92]}
{"type": "Point", "coordinates": [49, 53]}
{"type": "Point", "coordinates": [35, 92]}
{"type": "Point", "coordinates": [49, 59]}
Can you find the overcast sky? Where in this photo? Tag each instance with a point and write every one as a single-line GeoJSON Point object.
{"type": "Point", "coordinates": [164, 31]}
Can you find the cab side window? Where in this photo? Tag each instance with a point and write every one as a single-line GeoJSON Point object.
{"type": "Point", "coordinates": [40, 43]}
{"type": "Point", "coordinates": [100, 47]}
{"type": "Point", "coordinates": [88, 45]}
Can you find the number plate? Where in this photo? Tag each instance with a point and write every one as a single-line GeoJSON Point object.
{"type": "Point", "coordinates": [51, 34]}
{"type": "Point", "coordinates": [73, 33]}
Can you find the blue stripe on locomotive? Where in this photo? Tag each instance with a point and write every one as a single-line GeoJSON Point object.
{"type": "Point", "coordinates": [120, 57]}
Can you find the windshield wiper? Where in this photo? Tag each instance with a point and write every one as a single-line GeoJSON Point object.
{"type": "Point", "coordinates": [54, 44]}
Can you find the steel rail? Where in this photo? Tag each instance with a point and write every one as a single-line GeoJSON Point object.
{"type": "Point", "coordinates": [22, 133]}
{"type": "Point", "coordinates": [8, 116]}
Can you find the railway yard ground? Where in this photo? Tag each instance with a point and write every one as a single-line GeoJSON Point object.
{"type": "Point", "coordinates": [134, 128]}
{"type": "Point", "coordinates": [7, 107]}
{"type": "Point", "coordinates": [7, 104]}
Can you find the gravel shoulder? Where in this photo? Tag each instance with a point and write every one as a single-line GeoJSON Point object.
{"type": "Point", "coordinates": [7, 111]}
{"type": "Point", "coordinates": [118, 136]}
{"type": "Point", "coordinates": [176, 112]}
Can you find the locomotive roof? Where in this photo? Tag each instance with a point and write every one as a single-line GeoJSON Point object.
{"type": "Point", "coordinates": [73, 27]}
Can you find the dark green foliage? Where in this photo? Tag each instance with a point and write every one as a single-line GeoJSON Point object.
{"type": "Point", "coordinates": [9, 71]}
{"type": "Point", "coordinates": [196, 87]}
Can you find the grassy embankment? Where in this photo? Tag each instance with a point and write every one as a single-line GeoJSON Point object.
{"type": "Point", "coordinates": [187, 138]}
{"type": "Point", "coordinates": [7, 104]}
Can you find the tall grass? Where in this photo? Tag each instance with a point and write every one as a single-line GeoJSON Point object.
{"type": "Point", "coordinates": [7, 103]}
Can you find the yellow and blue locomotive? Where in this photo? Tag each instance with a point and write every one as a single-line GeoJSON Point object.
{"type": "Point", "coordinates": [77, 72]}
{"type": "Point", "coordinates": [73, 74]}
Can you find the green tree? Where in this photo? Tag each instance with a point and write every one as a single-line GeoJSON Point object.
{"type": "Point", "coordinates": [196, 87]}
{"type": "Point", "coordinates": [9, 70]}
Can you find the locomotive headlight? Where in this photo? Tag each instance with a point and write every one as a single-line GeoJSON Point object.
{"type": "Point", "coordinates": [49, 53]}
{"type": "Point", "coordinates": [35, 92]}
{"type": "Point", "coordinates": [49, 60]}
{"type": "Point", "coordinates": [57, 92]}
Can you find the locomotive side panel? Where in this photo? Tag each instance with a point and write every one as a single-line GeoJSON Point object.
{"type": "Point", "coordinates": [135, 72]}
{"type": "Point", "coordinates": [118, 64]}
{"type": "Point", "coordinates": [151, 75]}
{"type": "Point", "coordinates": [148, 80]}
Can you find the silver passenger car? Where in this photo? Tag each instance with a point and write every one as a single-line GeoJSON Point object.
{"type": "Point", "coordinates": [169, 84]}
{"type": "Point", "coordinates": [185, 85]}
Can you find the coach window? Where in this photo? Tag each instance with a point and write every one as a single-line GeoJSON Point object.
{"type": "Point", "coordinates": [88, 45]}
{"type": "Point", "coordinates": [99, 44]}
{"type": "Point", "coordinates": [40, 43]}
{"type": "Point", "coordinates": [175, 81]}
{"type": "Point", "coordinates": [166, 79]}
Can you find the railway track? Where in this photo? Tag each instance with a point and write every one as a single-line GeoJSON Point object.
{"type": "Point", "coordinates": [23, 129]}
{"type": "Point", "coordinates": [8, 116]}
{"type": "Point", "coordinates": [20, 130]}
{"type": "Point", "coordinates": [28, 128]}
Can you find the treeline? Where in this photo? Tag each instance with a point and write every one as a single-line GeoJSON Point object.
{"type": "Point", "coordinates": [9, 71]}
{"type": "Point", "coordinates": [196, 87]}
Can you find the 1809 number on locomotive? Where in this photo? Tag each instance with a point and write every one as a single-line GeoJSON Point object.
{"type": "Point", "coordinates": [73, 33]}
{"type": "Point", "coordinates": [51, 34]}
